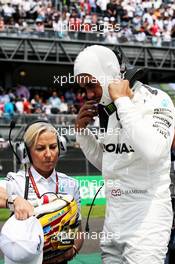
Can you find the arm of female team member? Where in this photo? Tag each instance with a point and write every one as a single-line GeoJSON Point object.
{"type": "Point", "coordinates": [22, 208]}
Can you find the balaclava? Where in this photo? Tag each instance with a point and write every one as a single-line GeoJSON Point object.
{"type": "Point", "coordinates": [101, 63]}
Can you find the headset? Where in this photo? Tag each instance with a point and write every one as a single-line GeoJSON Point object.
{"type": "Point", "coordinates": [22, 152]}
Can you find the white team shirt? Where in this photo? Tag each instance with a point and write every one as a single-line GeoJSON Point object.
{"type": "Point", "coordinates": [14, 183]}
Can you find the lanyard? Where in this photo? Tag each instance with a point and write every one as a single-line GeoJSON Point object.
{"type": "Point", "coordinates": [34, 184]}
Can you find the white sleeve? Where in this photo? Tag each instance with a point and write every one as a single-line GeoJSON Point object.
{"type": "Point", "coordinates": [150, 134]}
{"type": "Point", "coordinates": [3, 184]}
{"type": "Point", "coordinates": [92, 149]}
{"type": "Point", "coordinates": [8, 182]}
{"type": "Point", "coordinates": [11, 185]}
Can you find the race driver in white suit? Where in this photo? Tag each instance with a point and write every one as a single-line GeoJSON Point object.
{"type": "Point", "coordinates": [133, 155]}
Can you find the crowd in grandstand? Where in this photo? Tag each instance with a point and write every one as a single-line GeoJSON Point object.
{"type": "Point", "coordinates": [111, 21]}
{"type": "Point", "coordinates": [19, 101]}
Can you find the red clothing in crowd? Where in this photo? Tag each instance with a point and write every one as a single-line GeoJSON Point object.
{"type": "Point", "coordinates": [74, 24]}
{"type": "Point", "coordinates": [27, 107]}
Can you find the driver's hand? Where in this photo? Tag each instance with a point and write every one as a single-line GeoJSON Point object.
{"type": "Point", "coordinates": [86, 114]}
{"type": "Point", "coordinates": [119, 88]}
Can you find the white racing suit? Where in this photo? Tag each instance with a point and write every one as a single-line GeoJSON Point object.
{"type": "Point", "coordinates": [134, 157]}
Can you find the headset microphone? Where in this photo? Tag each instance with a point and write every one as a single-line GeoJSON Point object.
{"type": "Point", "coordinates": [12, 126]}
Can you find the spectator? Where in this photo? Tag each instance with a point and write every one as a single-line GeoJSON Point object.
{"type": "Point", "coordinates": [65, 28]}
{"type": "Point", "coordinates": [11, 93]}
{"type": "Point", "coordinates": [85, 7]}
{"type": "Point", "coordinates": [70, 97]}
{"type": "Point", "coordinates": [21, 26]}
{"type": "Point", "coordinates": [55, 103]}
{"type": "Point", "coordinates": [1, 110]}
{"type": "Point", "coordinates": [37, 104]}
{"type": "Point", "coordinates": [57, 25]}
{"type": "Point", "coordinates": [148, 17]}
{"type": "Point", "coordinates": [111, 37]}
{"type": "Point", "coordinates": [146, 4]}
{"type": "Point", "coordinates": [94, 19]}
{"type": "Point", "coordinates": [86, 24]}
{"type": "Point", "coordinates": [111, 9]}
{"type": "Point", "coordinates": [160, 23]}
{"type": "Point", "coordinates": [1, 95]}
{"type": "Point", "coordinates": [19, 106]}
{"type": "Point", "coordinates": [130, 11]}
{"type": "Point", "coordinates": [46, 107]}
{"type": "Point", "coordinates": [74, 24]}
{"type": "Point", "coordinates": [140, 36]}
{"type": "Point", "coordinates": [93, 5]}
{"type": "Point", "coordinates": [157, 13]}
{"type": "Point", "coordinates": [157, 40]}
{"type": "Point", "coordinates": [154, 29]}
{"type": "Point", "coordinates": [2, 24]}
{"type": "Point", "coordinates": [22, 91]}
{"type": "Point", "coordinates": [39, 27]}
{"type": "Point", "coordinates": [106, 25]}
{"type": "Point", "coordinates": [136, 23]}
{"type": "Point", "coordinates": [8, 12]}
{"type": "Point", "coordinates": [101, 6]}
{"type": "Point", "coordinates": [146, 26]}
{"type": "Point", "coordinates": [125, 34]}
{"type": "Point", "coordinates": [156, 4]}
{"type": "Point", "coordinates": [119, 11]}
{"type": "Point", "coordinates": [166, 37]}
{"type": "Point", "coordinates": [9, 109]}
{"type": "Point", "coordinates": [139, 10]}
{"type": "Point", "coordinates": [4, 97]}
{"type": "Point", "coordinates": [63, 106]}
{"type": "Point", "coordinates": [72, 110]}
{"type": "Point", "coordinates": [27, 106]}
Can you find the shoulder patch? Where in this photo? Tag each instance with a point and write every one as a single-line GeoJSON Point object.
{"type": "Point", "coordinates": [165, 103]}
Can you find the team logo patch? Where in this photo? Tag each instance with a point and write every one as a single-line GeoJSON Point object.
{"type": "Point", "coordinates": [116, 192]}
{"type": "Point", "coordinates": [164, 103]}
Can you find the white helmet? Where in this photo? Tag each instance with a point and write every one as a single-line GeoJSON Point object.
{"type": "Point", "coordinates": [101, 63]}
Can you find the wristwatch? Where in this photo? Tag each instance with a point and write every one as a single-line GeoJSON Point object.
{"type": "Point", "coordinates": [10, 202]}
